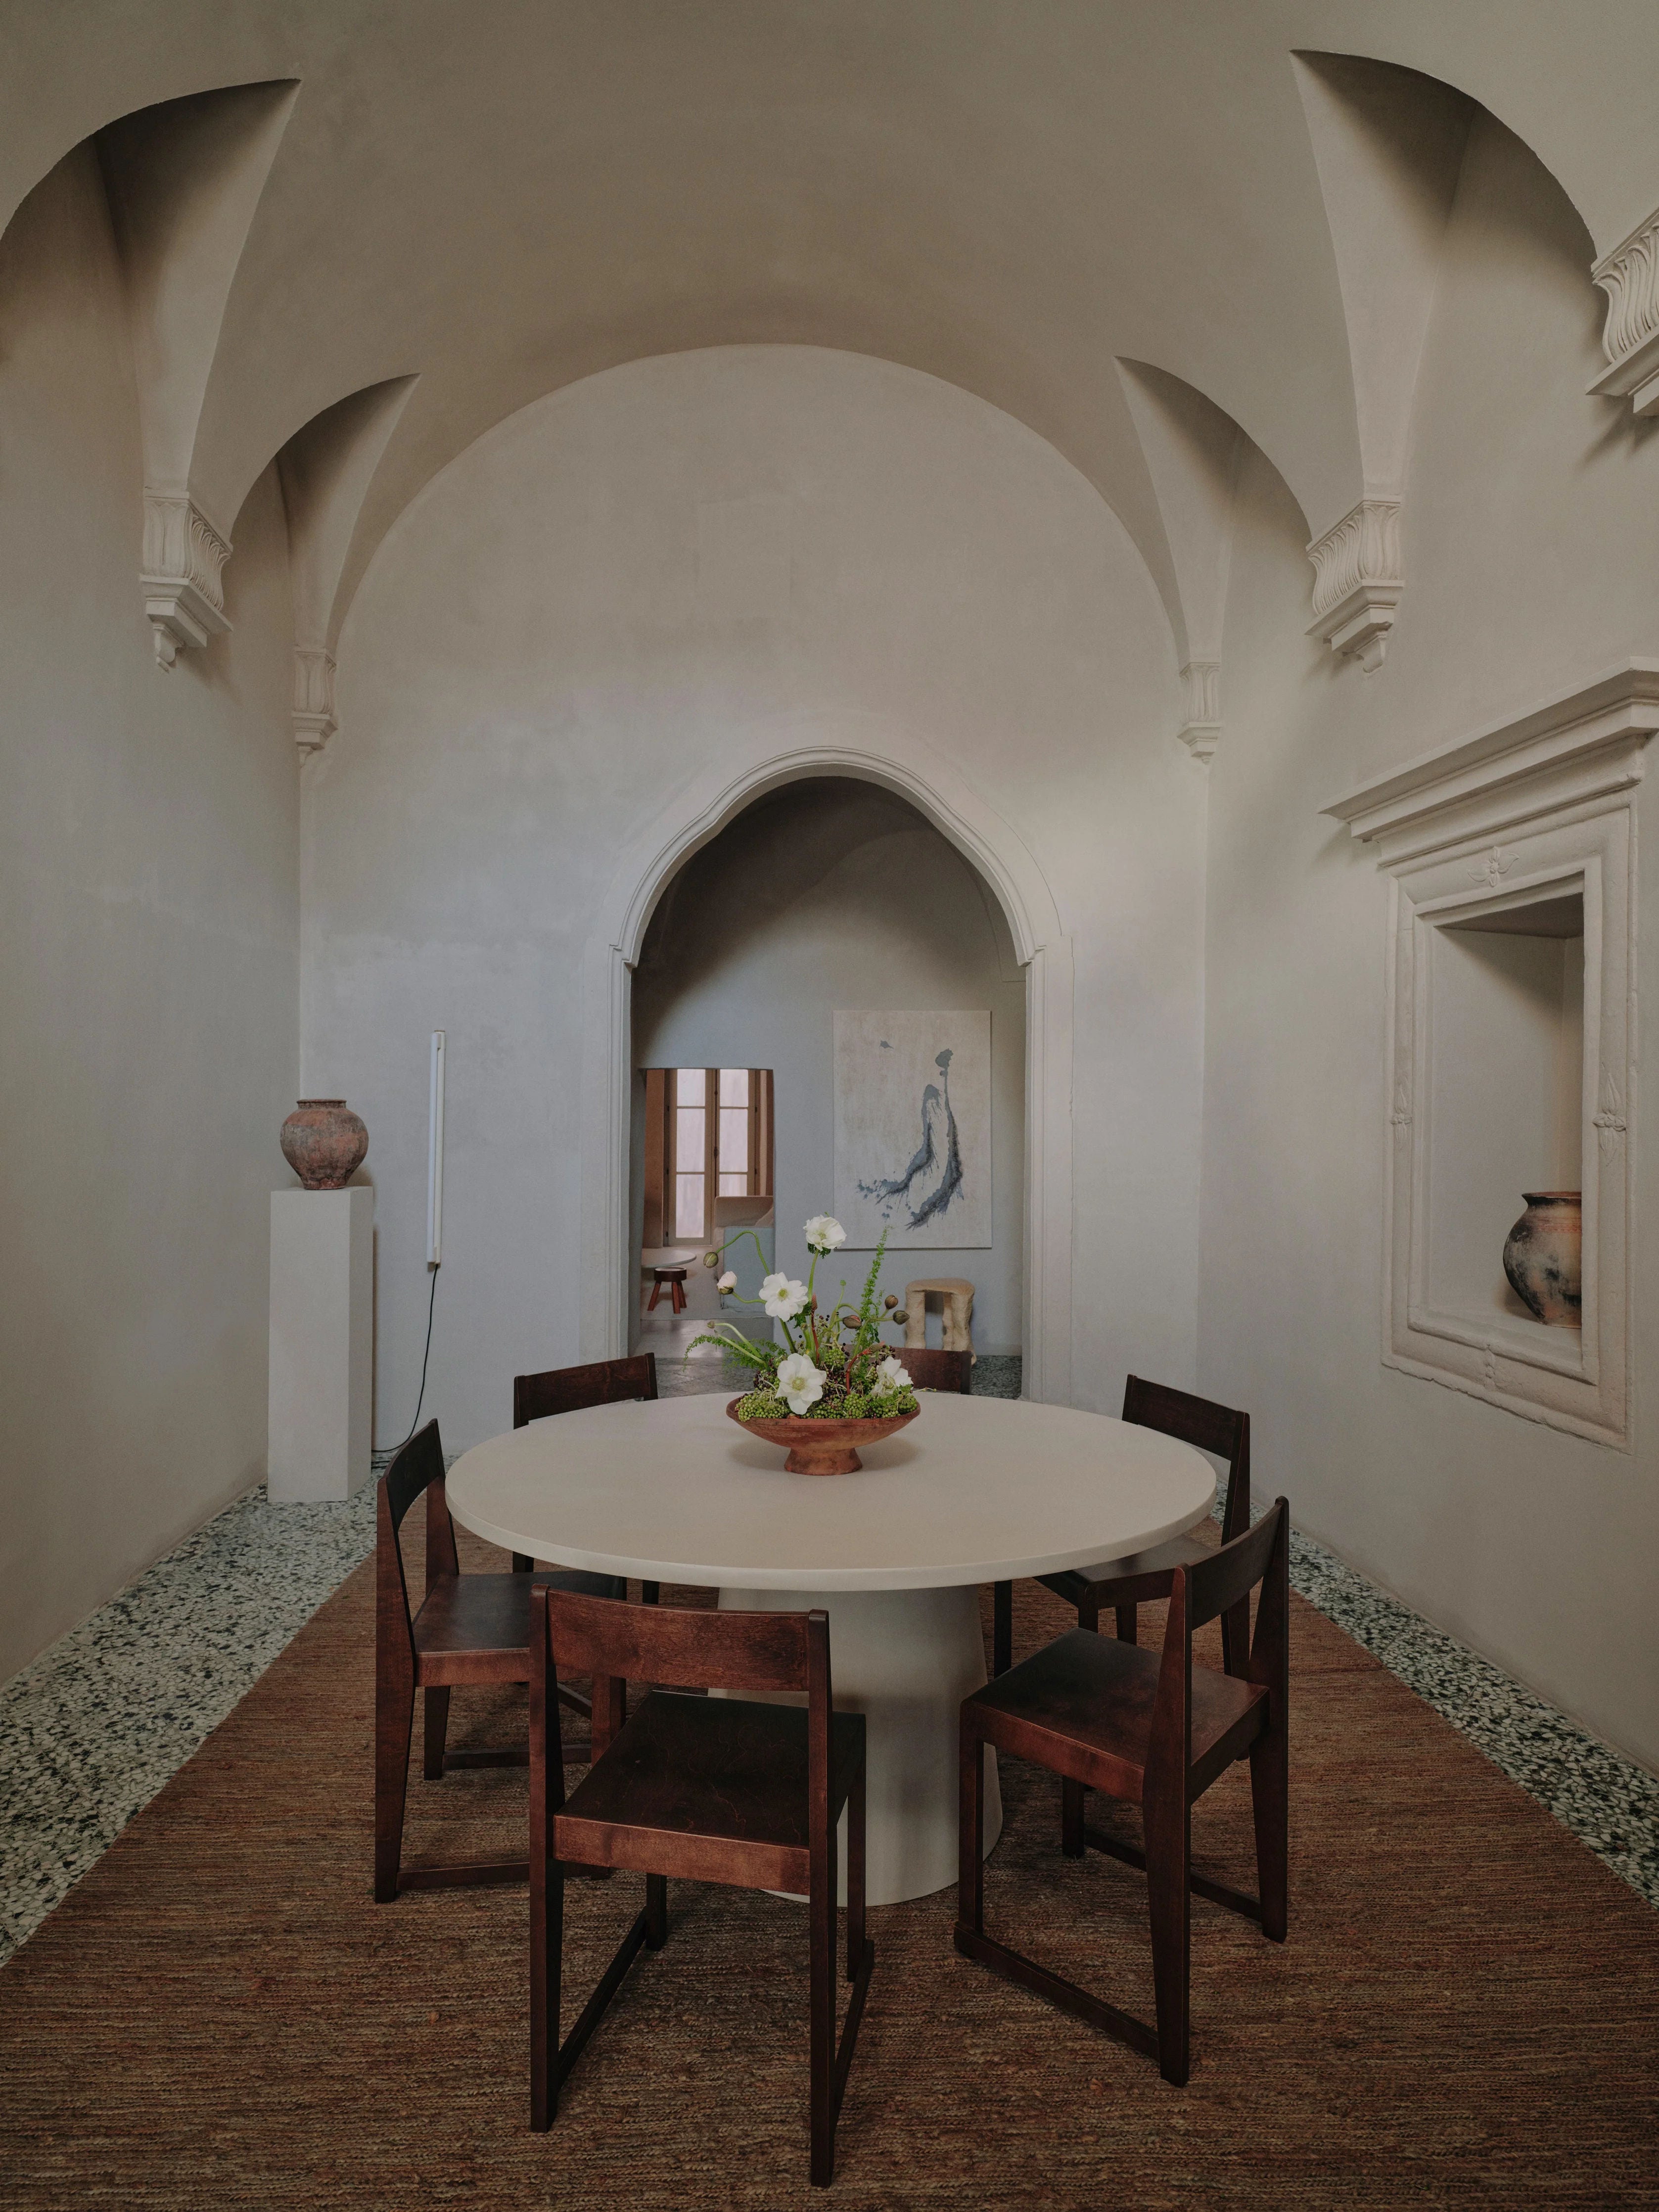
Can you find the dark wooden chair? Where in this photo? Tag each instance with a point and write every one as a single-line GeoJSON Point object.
{"type": "Point", "coordinates": [469, 1629]}
{"type": "Point", "coordinates": [1145, 1577]}
{"type": "Point", "coordinates": [936, 1370]}
{"type": "Point", "coordinates": [568, 1391]}
{"type": "Point", "coordinates": [1156, 1731]}
{"type": "Point", "coordinates": [700, 1789]}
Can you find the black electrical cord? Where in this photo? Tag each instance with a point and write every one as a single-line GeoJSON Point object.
{"type": "Point", "coordinates": [431, 1302]}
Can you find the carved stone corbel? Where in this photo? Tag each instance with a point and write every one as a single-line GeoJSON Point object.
{"type": "Point", "coordinates": [1201, 732]}
{"type": "Point", "coordinates": [1630, 277]}
{"type": "Point", "coordinates": [313, 698]}
{"type": "Point", "coordinates": [184, 558]}
{"type": "Point", "coordinates": [1357, 581]}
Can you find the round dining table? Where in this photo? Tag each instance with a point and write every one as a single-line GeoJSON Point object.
{"type": "Point", "coordinates": [976, 1491]}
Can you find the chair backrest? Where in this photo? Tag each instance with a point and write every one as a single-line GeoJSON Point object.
{"type": "Point", "coordinates": [757, 1652]}
{"type": "Point", "coordinates": [1202, 1593]}
{"type": "Point", "coordinates": [1220, 1429]}
{"type": "Point", "coordinates": [763, 1653]}
{"type": "Point", "coordinates": [937, 1371]}
{"type": "Point", "coordinates": [568, 1389]}
{"type": "Point", "coordinates": [418, 1466]}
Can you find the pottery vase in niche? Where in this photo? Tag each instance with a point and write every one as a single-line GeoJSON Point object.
{"type": "Point", "coordinates": [1544, 1255]}
{"type": "Point", "coordinates": [324, 1143]}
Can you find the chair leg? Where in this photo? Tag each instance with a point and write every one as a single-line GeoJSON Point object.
{"type": "Point", "coordinates": [1169, 1897]}
{"type": "Point", "coordinates": [855, 1882]}
{"type": "Point", "coordinates": [609, 1711]}
{"type": "Point", "coordinates": [970, 1833]}
{"type": "Point", "coordinates": [394, 1721]}
{"type": "Point", "coordinates": [1128, 1626]}
{"type": "Point", "coordinates": [1002, 1627]}
{"type": "Point", "coordinates": [656, 1911]}
{"type": "Point", "coordinates": [1270, 1801]}
{"type": "Point", "coordinates": [650, 1593]}
{"type": "Point", "coordinates": [437, 1728]}
{"type": "Point", "coordinates": [822, 2000]}
{"type": "Point", "coordinates": [651, 1302]}
{"type": "Point", "coordinates": [546, 1963]}
{"type": "Point", "coordinates": [522, 1562]}
{"type": "Point", "coordinates": [1071, 1817]}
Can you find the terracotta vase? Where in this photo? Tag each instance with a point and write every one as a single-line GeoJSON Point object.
{"type": "Point", "coordinates": [820, 1447]}
{"type": "Point", "coordinates": [1544, 1255]}
{"type": "Point", "coordinates": [324, 1143]}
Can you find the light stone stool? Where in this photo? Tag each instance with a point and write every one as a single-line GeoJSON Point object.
{"type": "Point", "coordinates": [956, 1304]}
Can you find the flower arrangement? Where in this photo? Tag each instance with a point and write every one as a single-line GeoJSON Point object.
{"type": "Point", "coordinates": [832, 1365]}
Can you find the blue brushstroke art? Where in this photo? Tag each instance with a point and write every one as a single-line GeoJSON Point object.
{"type": "Point", "coordinates": [931, 1182]}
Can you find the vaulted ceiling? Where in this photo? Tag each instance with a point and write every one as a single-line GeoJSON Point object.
{"type": "Point", "coordinates": [1016, 196]}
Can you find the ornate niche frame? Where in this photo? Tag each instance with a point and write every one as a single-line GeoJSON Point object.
{"type": "Point", "coordinates": [1522, 813]}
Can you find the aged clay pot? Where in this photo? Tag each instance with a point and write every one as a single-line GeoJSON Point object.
{"type": "Point", "coordinates": [1544, 1257]}
{"type": "Point", "coordinates": [324, 1142]}
{"type": "Point", "coordinates": [820, 1447]}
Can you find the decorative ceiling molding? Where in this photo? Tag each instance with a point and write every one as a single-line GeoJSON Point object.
{"type": "Point", "coordinates": [184, 558]}
{"type": "Point", "coordinates": [313, 698]}
{"type": "Point", "coordinates": [1358, 581]}
{"type": "Point", "coordinates": [1630, 277]}
{"type": "Point", "coordinates": [1572, 751]}
{"type": "Point", "coordinates": [1201, 732]}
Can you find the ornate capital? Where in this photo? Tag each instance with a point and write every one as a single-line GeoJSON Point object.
{"type": "Point", "coordinates": [1200, 730]}
{"type": "Point", "coordinates": [1630, 277]}
{"type": "Point", "coordinates": [183, 556]}
{"type": "Point", "coordinates": [313, 698]}
{"type": "Point", "coordinates": [1357, 581]}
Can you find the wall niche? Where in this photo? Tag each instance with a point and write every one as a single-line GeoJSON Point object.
{"type": "Point", "coordinates": [1511, 981]}
{"type": "Point", "coordinates": [1504, 1082]}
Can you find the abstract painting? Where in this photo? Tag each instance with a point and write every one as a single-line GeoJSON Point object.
{"type": "Point", "coordinates": [913, 1128]}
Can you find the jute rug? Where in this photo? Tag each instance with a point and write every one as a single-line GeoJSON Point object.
{"type": "Point", "coordinates": [219, 2017]}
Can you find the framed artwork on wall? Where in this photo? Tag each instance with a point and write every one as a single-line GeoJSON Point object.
{"type": "Point", "coordinates": [913, 1128]}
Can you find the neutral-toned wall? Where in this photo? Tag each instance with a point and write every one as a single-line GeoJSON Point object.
{"type": "Point", "coordinates": [834, 893]}
{"type": "Point", "coordinates": [674, 564]}
{"type": "Point", "coordinates": [1532, 560]}
{"type": "Point", "coordinates": [149, 964]}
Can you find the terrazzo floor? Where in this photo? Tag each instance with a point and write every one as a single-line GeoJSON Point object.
{"type": "Point", "coordinates": [100, 1722]}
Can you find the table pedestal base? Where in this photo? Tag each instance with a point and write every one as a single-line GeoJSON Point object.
{"type": "Point", "coordinates": [905, 1659]}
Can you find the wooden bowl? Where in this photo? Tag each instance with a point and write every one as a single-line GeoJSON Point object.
{"type": "Point", "coordinates": [820, 1447]}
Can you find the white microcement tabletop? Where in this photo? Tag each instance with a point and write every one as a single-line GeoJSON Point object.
{"type": "Point", "coordinates": [976, 1490]}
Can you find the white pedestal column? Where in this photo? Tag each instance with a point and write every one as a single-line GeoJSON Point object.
{"type": "Point", "coordinates": [322, 1343]}
{"type": "Point", "coordinates": [905, 1659]}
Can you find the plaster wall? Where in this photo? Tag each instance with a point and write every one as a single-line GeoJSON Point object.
{"type": "Point", "coordinates": [835, 893]}
{"type": "Point", "coordinates": [149, 964]}
{"type": "Point", "coordinates": [709, 557]}
{"type": "Point", "coordinates": [1531, 562]}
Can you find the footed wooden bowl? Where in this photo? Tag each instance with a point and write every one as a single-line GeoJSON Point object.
{"type": "Point", "coordinates": [820, 1447]}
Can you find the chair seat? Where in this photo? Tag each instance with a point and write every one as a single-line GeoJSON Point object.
{"type": "Point", "coordinates": [1083, 1707]}
{"type": "Point", "coordinates": [1081, 1585]}
{"type": "Point", "coordinates": [485, 1619]}
{"type": "Point", "coordinates": [687, 1771]}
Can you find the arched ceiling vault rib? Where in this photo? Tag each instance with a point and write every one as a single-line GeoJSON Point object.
{"type": "Point", "coordinates": [325, 470]}
{"type": "Point", "coordinates": [183, 181]}
{"type": "Point", "coordinates": [1387, 143]}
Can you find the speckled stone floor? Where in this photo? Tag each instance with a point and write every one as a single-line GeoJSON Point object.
{"type": "Point", "coordinates": [91, 1731]}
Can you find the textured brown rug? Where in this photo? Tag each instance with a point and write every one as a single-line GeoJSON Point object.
{"type": "Point", "coordinates": [217, 2016]}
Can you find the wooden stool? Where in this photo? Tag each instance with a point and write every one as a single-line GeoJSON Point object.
{"type": "Point", "coordinates": [675, 1279]}
{"type": "Point", "coordinates": [955, 1303]}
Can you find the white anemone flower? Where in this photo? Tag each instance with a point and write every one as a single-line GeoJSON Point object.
{"type": "Point", "coordinates": [892, 1375]}
{"type": "Point", "coordinates": [799, 1384]}
{"type": "Point", "coordinates": [728, 1281]}
{"type": "Point", "coordinates": [823, 1233]}
{"type": "Point", "coordinates": [783, 1299]}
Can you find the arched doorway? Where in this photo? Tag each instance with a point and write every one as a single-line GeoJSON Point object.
{"type": "Point", "coordinates": [1042, 950]}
